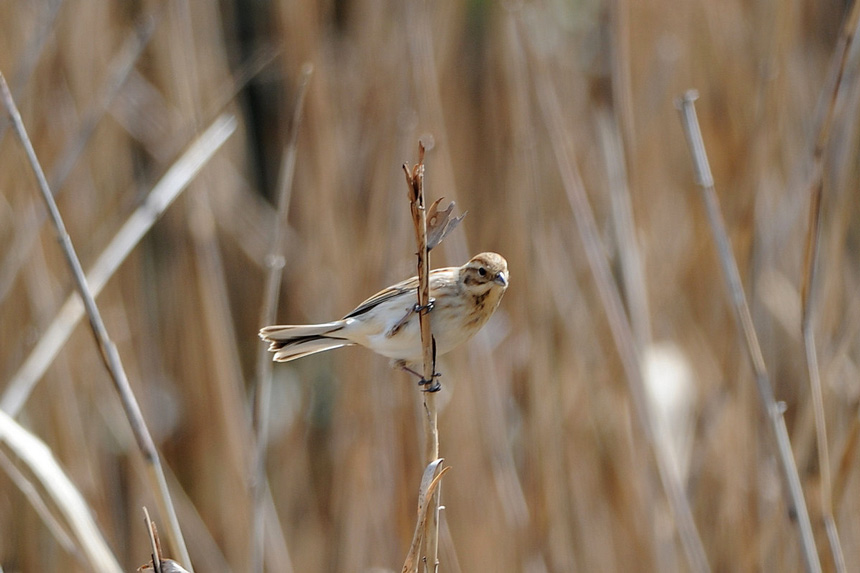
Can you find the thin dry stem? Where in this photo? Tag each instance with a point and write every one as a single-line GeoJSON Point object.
{"type": "Point", "coordinates": [174, 181]}
{"type": "Point", "coordinates": [415, 180]}
{"type": "Point", "coordinates": [109, 353]}
{"type": "Point", "coordinates": [811, 254]}
{"type": "Point", "coordinates": [745, 325]}
{"type": "Point", "coordinates": [66, 507]}
{"type": "Point", "coordinates": [629, 254]}
{"type": "Point", "coordinates": [263, 391]}
{"type": "Point", "coordinates": [619, 324]}
{"type": "Point", "coordinates": [32, 52]}
{"type": "Point", "coordinates": [426, 492]}
{"type": "Point", "coordinates": [153, 541]}
{"type": "Point", "coordinates": [120, 68]}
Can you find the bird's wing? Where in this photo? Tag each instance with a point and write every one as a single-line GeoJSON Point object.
{"type": "Point", "coordinates": [384, 295]}
{"type": "Point", "coordinates": [409, 286]}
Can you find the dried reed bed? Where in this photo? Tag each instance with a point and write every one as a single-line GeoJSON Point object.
{"type": "Point", "coordinates": [551, 469]}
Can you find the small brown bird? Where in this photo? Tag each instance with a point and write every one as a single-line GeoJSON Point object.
{"type": "Point", "coordinates": [462, 299]}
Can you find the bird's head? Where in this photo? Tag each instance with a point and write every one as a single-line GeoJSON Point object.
{"type": "Point", "coordinates": [485, 272]}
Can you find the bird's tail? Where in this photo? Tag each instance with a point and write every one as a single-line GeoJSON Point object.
{"type": "Point", "coordinates": [291, 342]}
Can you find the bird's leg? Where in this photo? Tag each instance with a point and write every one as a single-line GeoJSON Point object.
{"type": "Point", "coordinates": [434, 384]}
{"type": "Point", "coordinates": [421, 381]}
{"type": "Point", "coordinates": [402, 322]}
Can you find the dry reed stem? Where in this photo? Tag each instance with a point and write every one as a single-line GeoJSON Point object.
{"type": "Point", "coordinates": [121, 67]}
{"type": "Point", "coordinates": [154, 543]}
{"type": "Point", "coordinates": [119, 70]}
{"type": "Point", "coordinates": [65, 498]}
{"type": "Point", "coordinates": [226, 389]}
{"type": "Point", "coordinates": [209, 555]}
{"type": "Point", "coordinates": [810, 263]}
{"type": "Point", "coordinates": [275, 264]}
{"type": "Point", "coordinates": [117, 74]}
{"type": "Point", "coordinates": [743, 317]}
{"type": "Point", "coordinates": [618, 136]}
{"type": "Point", "coordinates": [846, 460]}
{"type": "Point", "coordinates": [32, 53]}
{"type": "Point", "coordinates": [158, 563]}
{"type": "Point", "coordinates": [613, 306]}
{"type": "Point", "coordinates": [632, 273]}
{"type": "Point", "coordinates": [31, 492]}
{"type": "Point", "coordinates": [171, 184]}
{"type": "Point", "coordinates": [429, 102]}
{"type": "Point", "coordinates": [415, 181]}
{"type": "Point", "coordinates": [110, 355]}
{"type": "Point", "coordinates": [426, 493]}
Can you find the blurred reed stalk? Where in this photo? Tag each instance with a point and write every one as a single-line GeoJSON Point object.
{"type": "Point", "coordinates": [426, 493]}
{"type": "Point", "coordinates": [32, 53]}
{"type": "Point", "coordinates": [622, 333]}
{"type": "Point", "coordinates": [163, 194]}
{"type": "Point", "coordinates": [120, 67]}
{"type": "Point", "coordinates": [263, 389]}
{"type": "Point", "coordinates": [810, 264]}
{"type": "Point", "coordinates": [772, 409]}
{"type": "Point", "coordinates": [63, 506]}
{"type": "Point", "coordinates": [109, 353]}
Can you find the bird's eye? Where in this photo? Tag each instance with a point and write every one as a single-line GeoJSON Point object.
{"type": "Point", "coordinates": [482, 271]}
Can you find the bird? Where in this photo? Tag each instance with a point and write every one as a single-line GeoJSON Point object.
{"type": "Point", "coordinates": [462, 300]}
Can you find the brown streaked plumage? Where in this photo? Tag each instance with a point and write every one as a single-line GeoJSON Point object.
{"type": "Point", "coordinates": [463, 298]}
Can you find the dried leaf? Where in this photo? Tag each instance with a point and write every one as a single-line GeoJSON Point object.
{"type": "Point", "coordinates": [440, 223]}
{"type": "Point", "coordinates": [429, 481]}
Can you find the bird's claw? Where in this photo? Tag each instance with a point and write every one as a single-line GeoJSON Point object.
{"type": "Point", "coordinates": [432, 385]}
{"type": "Point", "coordinates": [426, 308]}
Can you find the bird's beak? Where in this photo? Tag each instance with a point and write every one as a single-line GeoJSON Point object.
{"type": "Point", "coordinates": [501, 279]}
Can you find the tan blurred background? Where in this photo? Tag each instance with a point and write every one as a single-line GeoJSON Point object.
{"type": "Point", "coordinates": [550, 468]}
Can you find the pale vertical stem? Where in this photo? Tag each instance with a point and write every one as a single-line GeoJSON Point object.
{"type": "Point", "coordinates": [109, 353]}
{"type": "Point", "coordinates": [813, 239]}
{"type": "Point", "coordinates": [415, 179]}
{"type": "Point", "coordinates": [619, 324]}
{"type": "Point", "coordinates": [263, 390]}
{"type": "Point", "coordinates": [772, 409]}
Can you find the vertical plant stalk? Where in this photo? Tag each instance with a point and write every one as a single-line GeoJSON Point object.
{"type": "Point", "coordinates": [153, 541]}
{"type": "Point", "coordinates": [810, 263]}
{"type": "Point", "coordinates": [772, 409]}
{"type": "Point", "coordinates": [426, 492]}
{"type": "Point", "coordinates": [263, 390]}
{"type": "Point", "coordinates": [619, 324]}
{"type": "Point", "coordinates": [415, 180]}
{"type": "Point", "coordinates": [107, 348]}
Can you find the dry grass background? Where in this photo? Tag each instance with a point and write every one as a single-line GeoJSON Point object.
{"type": "Point", "coordinates": [550, 468]}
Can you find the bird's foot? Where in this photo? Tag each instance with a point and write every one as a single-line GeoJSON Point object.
{"type": "Point", "coordinates": [432, 385]}
{"type": "Point", "coordinates": [426, 308]}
